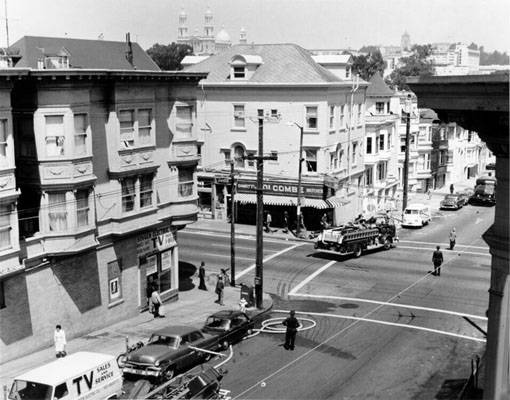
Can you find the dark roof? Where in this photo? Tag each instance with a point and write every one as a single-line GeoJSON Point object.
{"type": "Point", "coordinates": [175, 330]}
{"type": "Point", "coordinates": [379, 88]}
{"type": "Point", "coordinates": [281, 63]}
{"type": "Point", "coordinates": [83, 53]}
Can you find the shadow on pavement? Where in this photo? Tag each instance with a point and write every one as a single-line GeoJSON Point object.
{"type": "Point", "coordinates": [186, 272]}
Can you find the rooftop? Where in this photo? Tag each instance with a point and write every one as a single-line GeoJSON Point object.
{"type": "Point", "coordinates": [379, 88]}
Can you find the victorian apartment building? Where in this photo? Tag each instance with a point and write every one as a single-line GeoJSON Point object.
{"type": "Point", "coordinates": [295, 94]}
{"type": "Point", "coordinates": [97, 176]}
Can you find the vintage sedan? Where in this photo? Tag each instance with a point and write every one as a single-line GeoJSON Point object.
{"type": "Point", "coordinates": [231, 326]}
{"type": "Point", "coordinates": [451, 202]}
{"type": "Point", "coordinates": [171, 350]}
{"type": "Point", "coordinates": [465, 195]}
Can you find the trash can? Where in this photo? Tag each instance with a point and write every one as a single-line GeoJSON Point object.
{"type": "Point", "coordinates": [248, 295]}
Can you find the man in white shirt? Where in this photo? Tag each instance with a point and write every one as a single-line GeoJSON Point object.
{"type": "Point", "coordinates": [60, 342]}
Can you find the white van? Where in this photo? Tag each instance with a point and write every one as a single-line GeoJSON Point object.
{"type": "Point", "coordinates": [416, 215]}
{"type": "Point", "coordinates": [83, 375]}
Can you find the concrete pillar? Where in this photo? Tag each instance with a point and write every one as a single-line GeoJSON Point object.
{"type": "Point", "coordinates": [498, 337]}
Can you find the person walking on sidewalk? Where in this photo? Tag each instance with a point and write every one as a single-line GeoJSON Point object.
{"type": "Point", "coordinates": [453, 237]}
{"type": "Point", "coordinates": [59, 338]}
{"type": "Point", "coordinates": [437, 260]}
{"type": "Point", "coordinates": [269, 219]}
{"type": "Point", "coordinates": [220, 287]}
{"type": "Point", "coordinates": [156, 302]}
{"type": "Point", "coordinates": [292, 325]}
{"type": "Point", "coordinates": [285, 222]}
{"type": "Point", "coordinates": [429, 194]}
{"type": "Point", "coordinates": [201, 276]}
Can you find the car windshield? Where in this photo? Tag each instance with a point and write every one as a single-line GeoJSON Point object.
{"type": "Point", "coordinates": [170, 341]}
{"type": "Point", "coordinates": [29, 390]}
{"type": "Point", "coordinates": [217, 323]}
{"type": "Point", "coordinates": [451, 197]}
{"type": "Point", "coordinates": [411, 212]}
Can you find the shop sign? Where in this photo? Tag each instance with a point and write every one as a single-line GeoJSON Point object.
{"type": "Point", "coordinates": [158, 240]}
{"type": "Point", "coordinates": [282, 189]}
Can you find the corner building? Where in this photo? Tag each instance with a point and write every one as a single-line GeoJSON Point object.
{"type": "Point", "coordinates": [105, 182]}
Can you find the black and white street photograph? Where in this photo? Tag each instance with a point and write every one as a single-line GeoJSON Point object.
{"type": "Point", "coordinates": [254, 200]}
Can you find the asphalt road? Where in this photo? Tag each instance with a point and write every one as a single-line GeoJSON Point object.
{"type": "Point", "coordinates": [384, 327]}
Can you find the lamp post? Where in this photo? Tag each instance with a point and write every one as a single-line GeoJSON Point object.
{"type": "Point", "coordinates": [408, 105]}
{"type": "Point", "coordinates": [300, 173]}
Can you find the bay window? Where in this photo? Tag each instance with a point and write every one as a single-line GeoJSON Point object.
{"type": "Point", "coordinates": [82, 207]}
{"type": "Point", "coordinates": [5, 227]}
{"type": "Point", "coordinates": [54, 135]}
{"type": "Point", "coordinates": [127, 128]}
{"type": "Point", "coordinates": [57, 211]}
{"type": "Point", "coordinates": [80, 134]}
{"type": "Point", "coordinates": [381, 142]}
{"type": "Point", "coordinates": [3, 142]}
{"type": "Point", "coordinates": [145, 127]}
{"type": "Point", "coordinates": [369, 144]}
{"type": "Point", "coordinates": [186, 182]}
{"type": "Point", "coordinates": [128, 194]}
{"type": "Point", "coordinates": [146, 190]}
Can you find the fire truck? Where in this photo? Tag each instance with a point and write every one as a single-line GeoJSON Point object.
{"type": "Point", "coordinates": [356, 237]}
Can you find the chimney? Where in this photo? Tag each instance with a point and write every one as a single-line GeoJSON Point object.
{"type": "Point", "coordinates": [129, 49]}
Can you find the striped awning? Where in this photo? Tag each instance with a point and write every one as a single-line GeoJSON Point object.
{"type": "Point", "coordinates": [336, 202]}
{"type": "Point", "coordinates": [249, 198]}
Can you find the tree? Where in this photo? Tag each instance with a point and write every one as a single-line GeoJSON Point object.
{"type": "Point", "coordinates": [169, 57]}
{"type": "Point", "coordinates": [367, 65]}
{"type": "Point", "coordinates": [417, 64]}
{"type": "Point", "coordinates": [494, 58]}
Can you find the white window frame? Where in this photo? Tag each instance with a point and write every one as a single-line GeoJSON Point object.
{"type": "Point", "coordinates": [239, 116]}
{"type": "Point", "coordinates": [311, 159]}
{"type": "Point", "coordinates": [342, 115]}
{"type": "Point", "coordinates": [238, 72]}
{"type": "Point", "coordinates": [379, 107]}
{"type": "Point", "coordinates": [58, 211]}
{"type": "Point", "coordinates": [146, 197]}
{"type": "Point", "coordinates": [82, 209]}
{"type": "Point", "coordinates": [59, 139]}
{"type": "Point", "coordinates": [184, 127]}
{"type": "Point", "coordinates": [310, 115]}
{"type": "Point", "coordinates": [125, 195]}
{"type": "Point", "coordinates": [81, 135]}
{"type": "Point", "coordinates": [5, 230]}
{"type": "Point", "coordinates": [136, 141]}
{"type": "Point", "coordinates": [354, 153]}
{"type": "Point", "coordinates": [331, 117]}
{"type": "Point", "coordinates": [186, 188]}
{"type": "Point", "coordinates": [4, 141]}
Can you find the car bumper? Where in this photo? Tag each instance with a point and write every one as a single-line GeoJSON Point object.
{"type": "Point", "coordinates": [449, 206]}
{"type": "Point", "coordinates": [141, 371]}
{"type": "Point", "coordinates": [412, 224]}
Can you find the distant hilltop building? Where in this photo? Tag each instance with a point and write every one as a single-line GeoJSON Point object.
{"type": "Point", "coordinates": [207, 43]}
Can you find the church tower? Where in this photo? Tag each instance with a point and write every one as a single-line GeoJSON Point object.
{"type": "Point", "coordinates": [182, 31]}
{"type": "Point", "coordinates": [242, 36]}
{"type": "Point", "coordinates": [208, 25]}
{"type": "Point", "coordinates": [405, 42]}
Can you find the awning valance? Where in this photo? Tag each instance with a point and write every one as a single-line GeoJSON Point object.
{"type": "Point", "coordinates": [336, 202]}
{"type": "Point", "coordinates": [249, 198]}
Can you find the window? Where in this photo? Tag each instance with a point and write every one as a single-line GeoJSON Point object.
{"type": "Point", "coordinates": [381, 171]}
{"type": "Point", "coordinates": [128, 194]}
{"type": "Point", "coordinates": [274, 113]}
{"type": "Point", "coordinates": [354, 153]}
{"type": "Point", "coordinates": [251, 163]}
{"type": "Point", "coordinates": [82, 207]}
{"type": "Point", "coordinates": [54, 135]}
{"type": "Point", "coordinates": [127, 128]}
{"type": "Point", "coordinates": [311, 160]}
{"type": "Point", "coordinates": [57, 211]}
{"type": "Point", "coordinates": [360, 113]}
{"type": "Point", "coordinates": [239, 157]}
{"type": "Point", "coordinates": [239, 72]}
{"type": "Point", "coordinates": [80, 134]}
{"type": "Point", "coordinates": [5, 227]}
{"type": "Point", "coordinates": [389, 140]}
{"type": "Point", "coordinates": [381, 142]}
{"type": "Point", "coordinates": [226, 154]}
{"type": "Point", "coordinates": [332, 160]}
{"type": "Point", "coordinates": [369, 173]}
{"type": "Point", "coordinates": [369, 145]}
{"type": "Point", "coordinates": [342, 116]}
{"type": "Point", "coordinates": [145, 126]}
{"type": "Point", "coordinates": [3, 142]}
{"type": "Point", "coordinates": [61, 391]}
{"type": "Point", "coordinates": [311, 117]}
{"type": "Point", "coordinates": [185, 182]}
{"type": "Point", "coordinates": [146, 190]}
{"type": "Point", "coordinates": [379, 107]}
{"type": "Point", "coordinates": [331, 117]}
{"type": "Point", "coordinates": [347, 72]}
{"type": "Point", "coordinates": [115, 280]}
{"type": "Point", "coordinates": [183, 123]}
{"type": "Point", "coordinates": [402, 145]}
{"type": "Point", "coordinates": [239, 119]}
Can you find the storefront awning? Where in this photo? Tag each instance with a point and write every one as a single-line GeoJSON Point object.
{"type": "Point", "coordinates": [248, 198]}
{"type": "Point", "coordinates": [336, 202]}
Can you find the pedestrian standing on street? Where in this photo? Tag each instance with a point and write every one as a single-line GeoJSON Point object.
{"type": "Point", "coordinates": [453, 237]}
{"type": "Point", "coordinates": [269, 219]}
{"type": "Point", "coordinates": [220, 286]}
{"type": "Point", "coordinates": [225, 277]}
{"type": "Point", "coordinates": [156, 302]}
{"type": "Point", "coordinates": [451, 188]}
{"type": "Point", "coordinates": [59, 338]}
{"type": "Point", "coordinates": [201, 276]}
{"type": "Point", "coordinates": [437, 260]}
{"type": "Point", "coordinates": [301, 222]}
{"type": "Point", "coordinates": [285, 221]}
{"type": "Point", "coordinates": [324, 221]}
{"type": "Point", "coordinates": [429, 194]}
{"type": "Point", "coordinates": [292, 325]}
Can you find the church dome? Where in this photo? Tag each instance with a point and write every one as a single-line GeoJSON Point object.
{"type": "Point", "coordinates": [222, 36]}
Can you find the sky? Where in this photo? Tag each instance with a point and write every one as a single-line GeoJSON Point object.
{"type": "Point", "coordinates": [313, 24]}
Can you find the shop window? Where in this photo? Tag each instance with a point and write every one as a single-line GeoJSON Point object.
{"type": "Point", "coordinates": [128, 194]}
{"type": "Point", "coordinates": [5, 227]}
{"type": "Point", "coordinates": [54, 135]}
{"type": "Point", "coordinates": [146, 190]}
{"type": "Point", "coordinates": [186, 181]}
{"type": "Point", "coordinates": [115, 281]}
{"type": "Point", "coordinates": [311, 117]}
{"type": "Point", "coordinates": [80, 134]}
{"type": "Point", "coordinates": [57, 211]}
{"type": "Point", "coordinates": [311, 160]}
{"type": "Point", "coordinates": [82, 207]}
{"type": "Point", "coordinates": [3, 142]}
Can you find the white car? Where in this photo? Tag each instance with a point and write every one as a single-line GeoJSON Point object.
{"type": "Point", "coordinates": [416, 215]}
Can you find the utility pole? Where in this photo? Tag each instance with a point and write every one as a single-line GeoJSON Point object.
{"type": "Point", "coordinates": [355, 87]}
{"type": "Point", "coordinates": [232, 226]}
{"type": "Point", "coordinates": [406, 157]}
{"type": "Point", "coordinates": [6, 24]}
{"type": "Point", "coordinates": [300, 174]}
{"type": "Point", "coordinates": [260, 207]}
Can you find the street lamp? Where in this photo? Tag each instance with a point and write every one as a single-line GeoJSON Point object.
{"type": "Point", "coordinates": [408, 106]}
{"type": "Point", "coordinates": [300, 170]}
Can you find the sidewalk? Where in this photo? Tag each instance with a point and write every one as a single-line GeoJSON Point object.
{"type": "Point", "coordinates": [192, 308]}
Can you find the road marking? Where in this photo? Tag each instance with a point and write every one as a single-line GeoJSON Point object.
{"type": "Point", "coordinates": [453, 251]}
{"type": "Point", "coordinates": [226, 235]}
{"type": "Point", "coordinates": [252, 267]}
{"type": "Point", "coordinates": [376, 321]}
{"type": "Point", "coordinates": [228, 246]}
{"type": "Point", "coordinates": [398, 305]}
{"type": "Point", "coordinates": [212, 255]}
{"type": "Point", "coordinates": [310, 277]}
{"type": "Point", "coordinates": [435, 244]}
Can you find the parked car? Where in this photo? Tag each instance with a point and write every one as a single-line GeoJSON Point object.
{"type": "Point", "coordinates": [231, 326]}
{"type": "Point", "coordinates": [171, 350]}
{"type": "Point", "coordinates": [485, 191]}
{"type": "Point", "coordinates": [416, 215]}
{"type": "Point", "coordinates": [452, 202]}
{"type": "Point", "coordinates": [466, 194]}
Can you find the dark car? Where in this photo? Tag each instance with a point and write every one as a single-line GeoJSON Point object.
{"type": "Point", "coordinates": [485, 191]}
{"type": "Point", "coordinates": [231, 326]}
{"type": "Point", "coordinates": [465, 195]}
{"type": "Point", "coordinates": [451, 202]}
{"type": "Point", "coordinates": [170, 350]}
